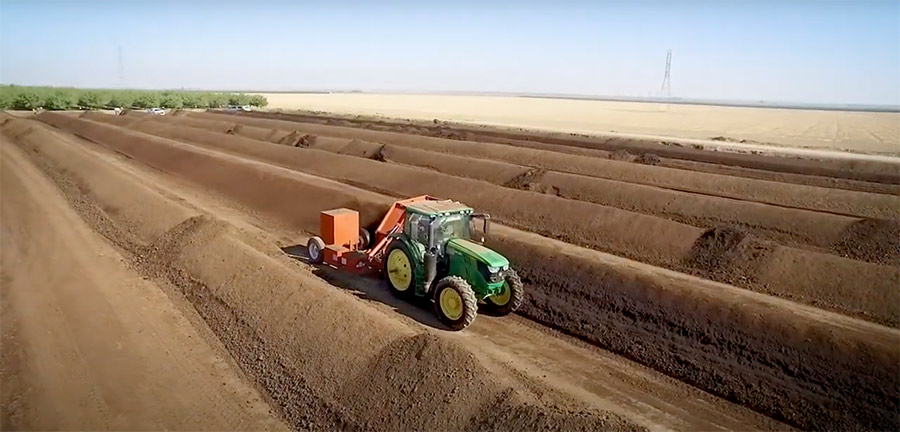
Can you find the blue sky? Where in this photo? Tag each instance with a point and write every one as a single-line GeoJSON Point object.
{"type": "Point", "coordinates": [792, 50]}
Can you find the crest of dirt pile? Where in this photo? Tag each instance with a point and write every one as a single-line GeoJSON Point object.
{"type": "Point", "coordinates": [530, 180]}
{"type": "Point", "coordinates": [872, 240]}
{"type": "Point", "coordinates": [508, 412]}
{"type": "Point", "coordinates": [234, 129]}
{"type": "Point", "coordinates": [729, 254]}
{"type": "Point", "coordinates": [648, 159]}
{"type": "Point", "coordinates": [443, 387]}
{"type": "Point", "coordinates": [296, 139]}
{"type": "Point", "coordinates": [621, 155]}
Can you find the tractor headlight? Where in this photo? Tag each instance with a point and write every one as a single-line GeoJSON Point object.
{"type": "Point", "coordinates": [493, 270]}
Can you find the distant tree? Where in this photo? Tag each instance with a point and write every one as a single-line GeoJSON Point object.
{"type": "Point", "coordinates": [258, 100]}
{"type": "Point", "coordinates": [60, 100]}
{"type": "Point", "coordinates": [27, 100]}
{"type": "Point", "coordinates": [193, 100]}
{"type": "Point", "coordinates": [171, 100]}
{"type": "Point", "coordinates": [7, 96]}
{"type": "Point", "coordinates": [216, 100]}
{"type": "Point", "coordinates": [92, 99]}
{"type": "Point", "coordinates": [239, 99]}
{"type": "Point", "coordinates": [146, 100]}
{"type": "Point", "coordinates": [122, 99]}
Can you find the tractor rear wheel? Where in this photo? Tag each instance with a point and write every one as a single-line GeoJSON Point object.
{"type": "Point", "coordinates": [508, 300]}
{"type": "Point", "coordinates": [455, 302]}
{"type": "Point", "coordinates": [315, 250]}
{"type": "Point", "coordinates": [399, 270]}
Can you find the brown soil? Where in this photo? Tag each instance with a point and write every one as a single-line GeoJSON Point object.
{"type": "Point", "coordinates": [786, 195]}
{"type": "Point", "coordinates": [801, 275]}
{"type": "Point", "coordinates": [324, 360]}
{"type": "Point", "coordinates": [90, 344]}
{"type": "Point", "coordinates": [783, 224]}
{"type": "Point", "coordinates": [873, 240]}
{"type": "Point", "coordinates": [856, 170]}
{"type": "Point", "coordinates": [788, 360]}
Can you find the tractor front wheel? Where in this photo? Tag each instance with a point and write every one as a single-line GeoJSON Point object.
{"type": "Point", "coordinates": [455, 302]}
{"type": "Point", "coordinates": [399, 270]}
{"type": "Point", "coordinates": [508, 300]}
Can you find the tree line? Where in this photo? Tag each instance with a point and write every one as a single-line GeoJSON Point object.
{"type": "Point", "coordinates": [58, 98]}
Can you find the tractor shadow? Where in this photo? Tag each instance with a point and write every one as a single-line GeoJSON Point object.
{"type": "Point", "coordinates": [370, 288]}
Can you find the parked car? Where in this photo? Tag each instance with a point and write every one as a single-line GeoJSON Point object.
{"type": "Point", "coordinates": [157, 111]}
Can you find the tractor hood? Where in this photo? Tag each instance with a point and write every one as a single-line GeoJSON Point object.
{"type": "Point", "coordinates": [479, 252]}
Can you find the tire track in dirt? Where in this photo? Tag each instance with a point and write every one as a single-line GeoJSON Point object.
{"type": "Point", "coordinates": [802, 365]}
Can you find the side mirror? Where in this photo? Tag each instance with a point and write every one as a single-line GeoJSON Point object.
{"type": "Point", "coordinates": [486, 218]}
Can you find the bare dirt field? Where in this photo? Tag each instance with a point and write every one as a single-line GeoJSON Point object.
{"type": "Point", "coordinates": [672, 289]}
{"type": "Point", "coordinates": [736, 127]}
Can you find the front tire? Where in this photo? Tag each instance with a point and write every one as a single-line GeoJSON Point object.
{"type": "Point", "coordinates": [455, 302]}
{"type": "Point", "coordinates": [399, 270]}
{"type": "Point", "coordinates": [509, 300]}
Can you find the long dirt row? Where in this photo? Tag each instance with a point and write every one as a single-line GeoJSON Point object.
{"type": "Point", "coordinates": [824, 280]}
{"type": "Point", "coordinates": [769, 192]}
{"type": "Point", "coordinates": [674, 154]}
{"type": "Point", "coordinates": [865, 239]}
{"type": "Point", "coordinates": [325, 360]}
{"type": "Point", "coordinates": [787, 360]}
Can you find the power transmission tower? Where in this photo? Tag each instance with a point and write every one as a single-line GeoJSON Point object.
{"type": "Point", "coordinates": [666, 88]}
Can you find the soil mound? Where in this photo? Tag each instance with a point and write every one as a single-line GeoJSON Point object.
{"type": "Point", "coordinates": [729, 254]}
{"type": "Point", "coordinates": [859, 170]}
{"type": "Point", "coordinates": [769, 192]}
{"type": "Point", "coordinates": [648, 159]}
{"type": "Point", "coordinates": [509, 412]}
{"type": "Point", "coordinates": [441, 384]}
{"type": "Point", "coordinates": [531, 180]}
{"type": "Point", "coordinates": [621, 155]}
{"type": "Point", "coordinates": [872, 240]}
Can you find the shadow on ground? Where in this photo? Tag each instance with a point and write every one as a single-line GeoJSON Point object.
{"type": "Point", "coordinates": [370, 288]}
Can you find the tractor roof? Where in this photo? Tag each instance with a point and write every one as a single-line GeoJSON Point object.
{"type": "Point", "coordinates": [434, 207]}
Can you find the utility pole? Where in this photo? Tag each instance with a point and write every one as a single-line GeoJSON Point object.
{"type": "Point", "coordinates": [666, 88]}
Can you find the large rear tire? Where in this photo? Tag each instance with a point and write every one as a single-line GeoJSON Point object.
{"type": "Point", "coordinates": [399, 270]}
{"type": "Point", "coordinates": [315, 250]}
{"type": "Point", "coordinates": [455, 302]}
{"type": "Point", "coordinates": [510, 299]}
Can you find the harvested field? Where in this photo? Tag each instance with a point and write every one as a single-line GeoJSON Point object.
{"type": "Point", "coordinates": [853, 131]}
{"type": "Point", "coordinates": [764, 350]}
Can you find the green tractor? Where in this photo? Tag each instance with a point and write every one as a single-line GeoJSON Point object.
{"type": "Point", "coordinates": [434, 255]}
{"type": "Point", "coordinates": [426, 248]}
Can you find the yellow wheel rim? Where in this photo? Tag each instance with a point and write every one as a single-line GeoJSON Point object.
{"type": "Point", "coordinates": [451, 304]}
{"type": "Point", "coordinates": [502, 298]}
{"type": "Point", "coordinates": [399, 270]}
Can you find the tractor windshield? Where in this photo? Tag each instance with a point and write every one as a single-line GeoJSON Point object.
{"type": "Point", "coordinates": [450, 227]}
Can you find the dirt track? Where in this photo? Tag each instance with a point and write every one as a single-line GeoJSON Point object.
{"type": "Point", "coordinates": [793, 362]}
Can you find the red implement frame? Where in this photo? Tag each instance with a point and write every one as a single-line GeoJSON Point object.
{"type": "Point", "coordinates": [371, 260]}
